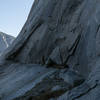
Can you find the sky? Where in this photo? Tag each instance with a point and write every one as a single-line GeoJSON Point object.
{"type": "Point", "coordinates": [13, 14]}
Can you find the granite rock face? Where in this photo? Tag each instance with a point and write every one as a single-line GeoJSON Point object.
{"type": "Point", "coordinates": [56, 55]}
{"type": "Point", "coordinates": [5, 41]}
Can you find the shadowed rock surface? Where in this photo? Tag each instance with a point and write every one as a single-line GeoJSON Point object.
{"type": "Point", "coordinates": [5, 41]}
{"type": "Point", "coordinates": [56, 55]}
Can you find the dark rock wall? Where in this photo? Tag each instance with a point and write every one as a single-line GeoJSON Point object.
{"type": "Point", "coordinates": [67, 26]}
{"type": "Point", "coordinates": [63, 33]}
